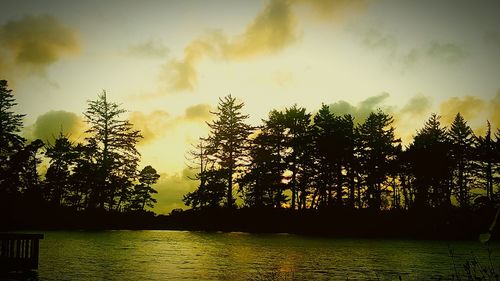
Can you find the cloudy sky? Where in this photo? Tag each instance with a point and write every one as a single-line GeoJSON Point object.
{"type": "Point", "coordinates": [168, 62]}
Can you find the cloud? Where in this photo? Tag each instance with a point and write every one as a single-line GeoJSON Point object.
{"type": "Point", "coordinates": [469, 107]}
{"type": "Point", "coordinates": [433, 51]}
{"type": "Point", "coordinates": [415, 111]}
{"type": "Point", "coordinates": [375, 39]}
{"type": "Point", "coordinates": [149, 49]}
{"type": "Point", "coordinates": [362, 109]}
{"type": "Point", "coordinates": [495, 112]}
{"type": "Point", "coordinates": [157, 123]}
{"type": "Point", "coordinates": [283, 78]}
{"type": "Point", "coordinates": [492, 38]}
{"type": "Point", "coordinates": [33, 43]}
{"type": "Point", "coordinates": [198, 112]}
{"type": "Point", "coordinates": [151, 125]}
{"type": "Point", "coordinates": [417, 106]}
{"type": "Point", "coordinates": [475, 110]}
{"type": "Point", "coordinates": [271, 31]}
{"type": "Point", "coordinates": [412, 115]}
{"type": "Point", "coordinates": [172, 188]}
{"type": "Point", "coordinates": [333, 9]}
{"type": "Point", "coordinates": [48, 126]}
{"type": "Point", "coordinates": [446, 52]}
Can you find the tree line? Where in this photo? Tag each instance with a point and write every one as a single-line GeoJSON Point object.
{"type": "Point", "coordinates": [101, 172]}
{"type": "Point", "coordinates": [299, 160]}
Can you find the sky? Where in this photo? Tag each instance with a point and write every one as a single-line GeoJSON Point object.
{"type": "Point", "coordinates": [168, 63]}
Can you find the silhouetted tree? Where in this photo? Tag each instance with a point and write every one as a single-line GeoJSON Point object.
{"type": "Point", "coordinates": [10, 142]}
{"type": "Point", "coordinates": [83, 179]}
{"type": "Point", "coordinates": [486, 157]}
{"type": "Point", "coordinates": [403, 167]}
{"type": "Point", "coordinates": [430, 163]}
{"type": "Point", "coordinates": [462, 141]}
{"type": "Point", "coordinates": [377, 151]}
{"type": "Point", "coordinates": [142, 193]}
{"type": "Point", "coordinates": [227, 142]}
{"type": "Point", "coordinates": [334, 145]}
{"type": "Point", "coordinates": [28, 160]}
{"type": "Point", "coordinates": [297, 143]}
{"type": "Point", "coordinates": [62, 158]}
{"type": "Point", "coordinates": [211, 193]}
{"type": "Point", "coordinates": [326, 154]}
{"type": "Point", "coordinates": [117, 157]}
{"type": "Point", "coordinates": [262, 183]}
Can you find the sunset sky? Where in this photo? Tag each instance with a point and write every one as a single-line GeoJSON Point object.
{"type": "Point", "coordinates": [168, 62]}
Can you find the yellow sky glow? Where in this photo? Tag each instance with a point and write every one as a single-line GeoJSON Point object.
{"type": "Point", "coordinates": [168, 62]}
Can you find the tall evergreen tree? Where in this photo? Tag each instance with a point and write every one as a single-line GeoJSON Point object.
{"type": "Point", "coordinates": [297, 142]}
{"type": "Point", "coordinates": [262, 181]}
{"type": "Point", "coordinates": [27, 160]}
{"type": "Point", "coordinates": [430, 163]}
{"type": "Point", "coordinates": [334, 141]}
{"type": "Point", "coordinates": [487, 160]}
{"type": "Point", "coordinates": [227, 142]}
{"type": "Point", "coordinates": [62, 158]}
{"type": "Point", "coordinates": [10, 141]}
{"type": "Point", "coordinates": [378, 150]}
{"type": "Point", "coordinates": [326, 154]}
{"type": "Point", "coordinates": [462, 141]}
{"type": "Point", "coordinates": [115, 141]}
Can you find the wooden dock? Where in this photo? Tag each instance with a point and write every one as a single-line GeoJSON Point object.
{"type": "Point", "coordinates": [19, 251]}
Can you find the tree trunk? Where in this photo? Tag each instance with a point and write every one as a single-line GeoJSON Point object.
{"type": "Point", "coordinates": [293, 188]}
{"type": "Point", "coordinates": [230, 182]}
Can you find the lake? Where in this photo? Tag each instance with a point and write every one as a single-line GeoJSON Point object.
{"type": "Point", "coordinates": [183, 255]}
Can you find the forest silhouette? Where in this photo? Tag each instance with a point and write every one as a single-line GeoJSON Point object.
{"type": "Point", "coordinates": [296, 172]}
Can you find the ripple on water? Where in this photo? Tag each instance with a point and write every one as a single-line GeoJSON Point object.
{"type": "Point", "coordinates": [172, 255]}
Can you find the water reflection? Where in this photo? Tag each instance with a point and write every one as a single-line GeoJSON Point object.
{"type": "Point", "coordinates": [24, 275]}
{"type": "Point", "coordinates": [176, 255]}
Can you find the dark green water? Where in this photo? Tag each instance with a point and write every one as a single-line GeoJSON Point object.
{"type": "Point", "coordinates": [178, 255]}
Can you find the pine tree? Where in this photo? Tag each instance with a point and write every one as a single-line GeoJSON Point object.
{"type": "Point", "coordinates": [10, 141]}
{"type": "Point", "coordinates": [462, 140]}
{"type": "Point", "coordinates": [297, 141]}
{"type": "Point", "coordinates": [115, 140]}
{"type": "Point", "coordinates": [27, 160]}
{"type": "Point", "coordinates": [326, 154]}
{"type": "Point", "coordinates": [334, 139]}
{"type": "Point", "coordinates": [83, 180]}
{"type": "Point", "coordinates": [485, 158]}
{"type": "Point", "coordinates": [378, 145]}
{"type": "Point", "coordinates": [62, 158]}
{"type": "Point", "coordinates": [227, 142]}
{"type": "Point", "coordinates": [430, 163]}
{"type": "Point", "coordinates": [262, 183]}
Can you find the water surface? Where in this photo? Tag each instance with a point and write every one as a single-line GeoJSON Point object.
{"type": "Point", "coordinates": [179, 255]}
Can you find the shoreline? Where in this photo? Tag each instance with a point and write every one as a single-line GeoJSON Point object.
{"type": "Point", "coordinates": [432, 224]}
